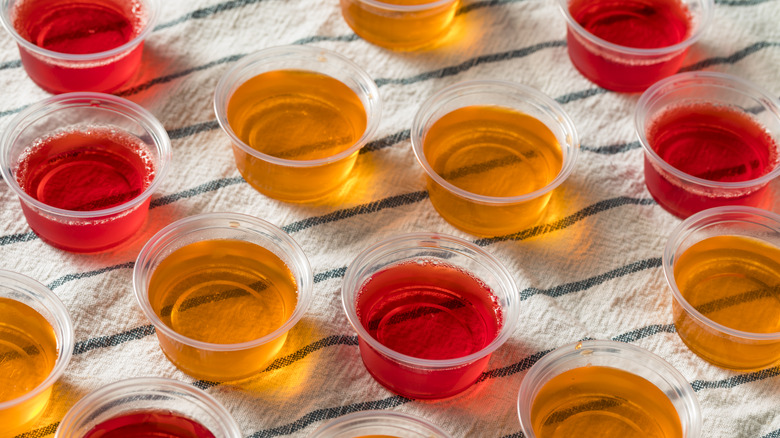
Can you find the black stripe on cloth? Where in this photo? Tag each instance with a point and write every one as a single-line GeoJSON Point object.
{"type": "Point", "coordinates": [16, 63]}
{"type": "Point", "coordinates": [567, 221]}
{"type": "Point", "coordinates": [329, 413]}
{"type": "Point", "coordinates": [113, 340]}
{"type": "Point", "coordinates": [163, 79]}
{"type": "Point", "coordinates": [206, 12]}
{"type": "Point", "coordinates": [20, 237]}
{"type": "Point", "coordinates": [391, 202]}
{"type": "Point", "coordinates": [737, 380]}
{"type": "Point", "coordinates": [740, 2]}
{"type": "Point", "coordinates": [579, 95]}
{"type": "Point", "coordinates": [40, 432]}
{"type": "Point", "coordinates": [468, 64]}
{"type": "Point", "coordinates": [774, 434]}
{"type": "Point", "coordinates": [290, 359]}
{"type": "Point", "coordinates": [483, 4]}
{"type": "Point", "coordinates": [13, 111]}
{"type": "Point", "coordinates": [333, 273]}
{"type": "Point", "coordinates": [197, 128]}
{"type": "Point", "coordinates": [70, 277]}
{"type": "Point", "coordinates": [387, 141]}
{"type": "Point", "coordinates": [578, 286]}
{"type": "Point", "coordinates": [203, 188]}
{"type": "Point", "coordinates": [613, 148]}
{"type": "Point", "coordinates": [514, 435]}
{"type": "Point", "coordinates": [644, 332]}
{"type": "Point", "coordinates": [317, 38]}
{"type": "Point", "coordinates": [733, 58]}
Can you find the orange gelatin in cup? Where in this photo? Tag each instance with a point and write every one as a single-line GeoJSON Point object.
{"type": "Point", "coordinates": [222, 292]}
{"type": "Point", "coordinates": [28, 352]}
{"type": "Point", "coordinates": [294, 115]}
{"type": "Point", "coordinates": [604, 402]}
{"type": "Point", "coordinates": [493, 152]}
{"type": "Point", "coordinates": [733, 281]}
{"type": "Point", "coordinates": [400, 24]}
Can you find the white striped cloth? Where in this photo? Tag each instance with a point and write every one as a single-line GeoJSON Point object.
{"type": "Point", "coordinates": [593, 273]}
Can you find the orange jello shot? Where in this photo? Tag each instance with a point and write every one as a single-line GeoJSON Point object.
{"type": "Point", "coordinates": [297, 117]}
{"type": "Point", "coordinates": [400, 24]}
{"type": "Point", "coordinates": [222, 290]}
{"type": "Point", "coordinates": [36, 344]}
{"type": "Point", "coordinates": [493, 152]}
{"type": "Point", "coordinates": [723, 267]}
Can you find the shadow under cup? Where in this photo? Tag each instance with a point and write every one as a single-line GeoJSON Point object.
{"type": "Point", "coordinates": [103, 71]}
{"type": "Point", "coordinates": [408, 282]}
{"type": "Point", "coordinates": [232, 273]}
{"type": "Point", "coordinates": [87, 230]}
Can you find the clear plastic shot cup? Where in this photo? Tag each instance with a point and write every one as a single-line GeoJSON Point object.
{"type": "Point", "coordinates": [148, 406]}
{"type": "Point", "coordinates": [104, 50]}
{"type": "Point", "coordinates": [620, 66]}
{"type": "Point", "coordinates": [710, 139]}
{"type": "Point", "coordinates": [493, 152]}
{"type": "Point", "coordinates": [606, 389]}
{"type": "Point", "coordinates": [84, 166]}
{"type": "Point", "coordinates": [36, 344]}
{"type": "Point", "coordinates": [723, 268]}
{"type": "Point", "coordinates": [379, 423]}
{"type": "Point", "coordinates": [400, 25]}
{"type": "Point", "coordinates": [297, 117]}
{"type": "Point", "coordinates": [429, 310]}
{"type": "Point", "coordinates": [222, 290]}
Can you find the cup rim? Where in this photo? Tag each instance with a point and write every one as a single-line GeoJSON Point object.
{"type": "Point", "coordinates": [510, 314]}
{"type": "Point", "coordinates": [153, 12]}
{"type": "Point", "coordinates": [122, 388]}
{"type": "Point", "coordinates": [391, 7]}
{"type": "Point", "coordinates": [170, 234]}
{"type": "Point", "coordinates": [107, 102]}
{"type": "Point", "coordinates": [703, 24]}
{"type": "Point", "coordinates": [730, 213]}
{"type": "Point", "coordinates": [703, 79]}
{"type": "Point", "coordinates": [65, 341]}
{"type": "Point", "coordinates": [547, 365]}
{"type": "Point", "coordinates": [381, 418]}
{"type": "Point", "coordinates": [229, 81]}
{"type": "Point", "coordinates": [541, 101]}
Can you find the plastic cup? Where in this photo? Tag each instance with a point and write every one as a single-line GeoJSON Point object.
{"type": "Point", "coordinates": [297, 180]}
{"type": "Point", "coordinates": [84, 230]}
{"type": "Point", "coordinates": [378, 423]}
{"type": "Point", "coordinates": [103, 71]}
{"type": "Point", "coordinates": [171, 400]}
{"type": "Point", "coordinates": [614, 357]}
{"type": "Point", "coordinates": [393, 25]}
{"type": "Point", "coordinates": [416, 377]}
{"type": "Point", "coordinates": [489, 215]}
{"type": "Point", "coordinates": [19, 412]}
{"type": "Point", "coordinates": [221, 361]}
{"type": "Point", "coordinates": [681, 193]}
{"type": "Point", "coordinates": [722, 343]}
{"type": "Point", "coordinates": [630, 69]}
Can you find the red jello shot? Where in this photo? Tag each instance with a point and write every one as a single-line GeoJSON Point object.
{"type": "Point", "coordinates": [84, 166]}
{"type": "Point", "coordinates": [710, 140]}
{"type": "Point", "coordinates": [628, 45]}
{"type": "Point", "coordinates": [429, 310]}
{"type": "Point", "coordinates": [80, 45]}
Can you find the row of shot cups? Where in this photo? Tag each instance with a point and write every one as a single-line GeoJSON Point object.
{"type": "Point", "coordinates": [410, 376]}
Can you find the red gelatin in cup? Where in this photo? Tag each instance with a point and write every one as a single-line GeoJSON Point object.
{"type": "Point", "coordinates": [149, 424]}
{"type": "Point", "coordinates": [627, 45]}
{"type": "Point", "coordinates": [86, 170]}
{"type": "Point", "coordinates": [427, 310]}
{"type": "Point", "coordinates": [81, 42]}
{"type": "Point", "coordinates": [711, 142]}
